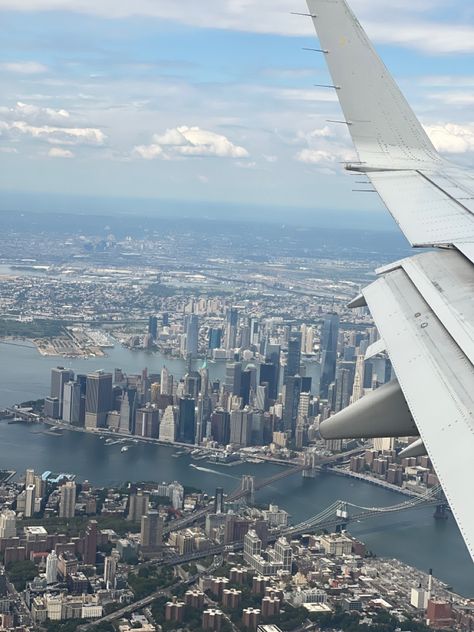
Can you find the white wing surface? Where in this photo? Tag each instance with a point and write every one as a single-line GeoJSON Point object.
{"type": "Point", "coordinates": [423, 306]}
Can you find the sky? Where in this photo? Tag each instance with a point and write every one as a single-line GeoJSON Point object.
{"type": "Point", "coordinates": [208, 103]}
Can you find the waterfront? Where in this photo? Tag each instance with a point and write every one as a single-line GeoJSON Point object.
{"type": "Point", "coordinates": [412, 536]}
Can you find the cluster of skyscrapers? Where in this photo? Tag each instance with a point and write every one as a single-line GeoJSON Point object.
{"type": "Point", "coordinates": [264, 397]}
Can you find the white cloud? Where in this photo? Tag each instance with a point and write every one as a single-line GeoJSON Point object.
{"type": "Point", "coordinates": [59, 135]}
{"type": "Point", "coordinates": [273, 16]}
{"type": "Point", "coordinates": [452, 139]}
{"type": "Point", "coordinates": [324, 148]}
{"type": "Point", "coordinates": [187, 141]}
{"type": "Point", "coordinates": [46, 124]}
{"type": "Point", "coordinates": [34, 113]}
{"type": "Point", "coordinates": [58, 152]}
{"type": "Point", "coordinates": [24, 67]}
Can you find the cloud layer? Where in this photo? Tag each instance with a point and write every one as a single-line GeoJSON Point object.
{"type": "Point", "coordinates": [185, 141]}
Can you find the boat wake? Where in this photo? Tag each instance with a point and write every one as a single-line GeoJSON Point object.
{"type": "Point", "coordinates": [209, 471]}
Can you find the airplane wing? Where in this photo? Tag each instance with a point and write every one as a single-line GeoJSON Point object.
{"type": "Point", "coordinates": [422, 305]}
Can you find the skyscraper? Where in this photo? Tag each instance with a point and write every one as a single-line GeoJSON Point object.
{"type": "Point", "coordinates": [220, 426]}
{"type": "Point", "coordinates": [110, 570]}
{"type": "Point", "coordinates": [7, 524]}
{"type": "Point", "coordinates": [30, 496]}
{"type": "Point", "coordinates": [291, 402]}
{"type": "Point", "coordinates": [52, 568]}
{"type": "Point", "coordinates": [187, 419]}
{"type": "Point", "coordinates": [233, 377]}
{"type": "Point", "coordinates": [344, 383]}
{"type": "Point", "coordinates": [293, 359]}
{"type": "Point", "coordinates": [329, 335]}
{"type": "Point", "coordinates": [166, 382]}
{"type": "Point", "coordinates": [168, 426]}
{"type": "Point", "coordinates": [231, 324]}
{"type": "Point", "coordinates": [59, 377]}
{"type": "Point", "coordinates": [138, 505]}
{"type": "Point", "coordinates": [90, 543]}
{"type": "Point", "coordinates": [153, 327]}
{"type": "Point", "coordinates": [240, 427]}
{"type": "Point", "coordinates": [214, 338]}
{"type": "Point", "coordinates": [98, 398]}
{"type": "Point", "coordinates": [219, 501]}
{"type": "Point", "coordinates": [147, 422]}
{"type": "Point", "coordinates": [192, 335]}
{"type": "Point", "coordinates": [152, 530]}
{"type": "Point", "coordinates": [67, 500]}
{"type": "Point", "coordinates": [72, 403]}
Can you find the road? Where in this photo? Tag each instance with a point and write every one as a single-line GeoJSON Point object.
{"type": "Point", "coordinates": [146, 601]}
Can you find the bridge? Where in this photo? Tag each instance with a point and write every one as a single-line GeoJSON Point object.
{"type": "Point", "coordinates": [249, 485]}
{"type": "Point", "coordinates": [312, 463]}
{"type": "Point", "coordinates": [337, 516]}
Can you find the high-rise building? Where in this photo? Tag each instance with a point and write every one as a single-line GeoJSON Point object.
{"type": "Point", "coordinates": [291, 402]}
{"type": "Point", "coordinates": [220, 426]}
{"type": "Point", "coordinates": [90, 543]}
{"type": "Point", "coordinates": [166, 382]}
{"type": "Point", "coordinates": [153, 327]}
{"type": "Point", "coordinates": [214, 338]}
{"type": "Point", "coordinates": [59, 377]}
{"type": "Point", "coordinates": [192, 335]}
{"type": "Point", "coordinates": [233, 377]}
{"type": "Point", "coordinates": [231, 325]}
{"type": "Point", "coordinates": [30, 496]}
{"type": "Point", "coordinates": [329, 337]}
{"type": "Point", "coordinates": [138, 505]}
{"type": "Point", "coordinates": [29, 477]}
{"type": "Point", "coordinates": [152, 530]}
{"type": "Point", "coordinates": [98, 399]}
{"type": "Point", "coordinates": [7, 524]}
{"type": "Point", "coordinates": [67, 500]}
{"type": "Point", "coordinates": [293, 359]}
{"type": "Point", "coordinates": [284, 553]}
{"type": "Point", "coordinates": [147, 422]}
{"type": "Point", "coordinates": [187, 420]}
{"type": "Point", "coordinates": [261, 397]}
{"type": "Point", "coordinates": [168, 425]}
{"type": "Point", "coordinates": [241, 427]}
{"type": "Point", "coordinates": [343, 389]}
{"type": "Point", "coordinates": [358, 387]}
{"type": "Point", "coordinates": [219, 501]}
{"type": "Point", "coordinates": [72, 403]}
{"type": "Point", "coordinates": [52, 568]}
{"type": "Point", "coordinates": [252, 545]}
{"type": "Point", "coordinates": [110, 570]}
{"type": "Point", "coordinates": [192, 384]}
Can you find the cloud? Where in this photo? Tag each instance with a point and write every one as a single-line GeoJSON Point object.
{"type": "Point", "coordinates": [24, 67]}
{"type": "Point", "coordinates": [47, 125]}
{"type": "Point", "coordinates": [452, 139]}
{"type": "Point", "coordinates": [272, 16]}
{"type": "Point", "coordinates": [187, 141]}
{"type": "Point", "coordinates": [58, 152]}
{"type": "Point", "coordinates": [34, 113]}
{"type": "Point", "coordinates": [58, 135]}
{"type": "Point", "coordinates": [324, 148]}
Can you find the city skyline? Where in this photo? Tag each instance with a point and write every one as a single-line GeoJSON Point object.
{"type": "Point", "coordinates": [98, 115]}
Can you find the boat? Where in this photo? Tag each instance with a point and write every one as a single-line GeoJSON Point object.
{"type": "Point", "coordinates": [124, 449]}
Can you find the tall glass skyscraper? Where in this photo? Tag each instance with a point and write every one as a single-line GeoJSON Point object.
{"type": "Point", "coordinates": [329, 336]}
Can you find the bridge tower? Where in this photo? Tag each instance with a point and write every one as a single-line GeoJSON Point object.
{"type": "Point", "coordinates": [309, 464]}
{"type": "Point", "coordinates": [441, 512]}
{"type": "Point", "coordinates": [343, 516]}
{"type": "Point", "coordinates": [248, 486]}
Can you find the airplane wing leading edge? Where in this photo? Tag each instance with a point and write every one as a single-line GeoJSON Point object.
{"type": "Point", "coordinates": [422, 306]}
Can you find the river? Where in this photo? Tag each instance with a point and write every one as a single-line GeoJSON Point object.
{"type": "Point", "coordinates": [412, 536]}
